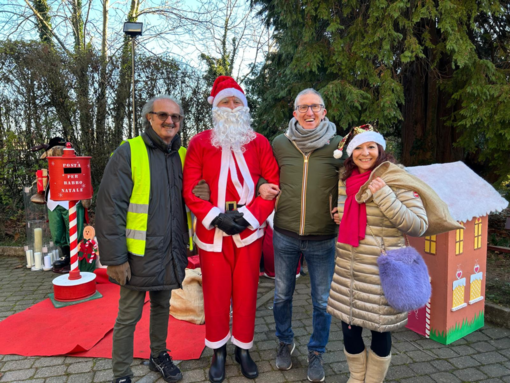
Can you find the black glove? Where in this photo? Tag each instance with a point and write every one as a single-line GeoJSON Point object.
{"type": "Point", "coordinates": [241, 221]}
{"type": "Point", "coordinates": [227, 222]}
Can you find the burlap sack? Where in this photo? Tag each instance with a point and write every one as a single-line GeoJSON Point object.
{"type": "Point", "coordinates": [440, 220]}
{"type": "Point", "coordinates": [188, 303]}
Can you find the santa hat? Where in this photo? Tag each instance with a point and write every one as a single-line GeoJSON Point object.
{"type": "Point", "coordinates": [359, 135]}
{"type": "Point", "coordinates": [226, 86]}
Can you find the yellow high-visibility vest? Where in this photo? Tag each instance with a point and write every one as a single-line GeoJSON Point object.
{"type": "Point", "coordinates": [138, 211]}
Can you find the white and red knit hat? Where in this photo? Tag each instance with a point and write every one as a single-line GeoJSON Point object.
{"type": "Point", "coordinates": [226, 86]}
{"type": "Point", "coordinates": [359, 135]}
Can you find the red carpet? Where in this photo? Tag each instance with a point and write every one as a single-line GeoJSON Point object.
{"type": "Point", "coordinates": [86, 330]}
{"type": "Point", "coordinates": [185, 340]}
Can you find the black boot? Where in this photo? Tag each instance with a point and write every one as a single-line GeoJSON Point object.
{"type": "Point", "coordinates": [63, 263]}
{"type": "Point", "coordinates": [217, 370]}
{"type": "Point", "coordinates": [248, 366]}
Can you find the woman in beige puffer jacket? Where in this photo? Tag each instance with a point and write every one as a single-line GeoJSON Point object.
{"type": "Point", "coordinates": [356, 296]}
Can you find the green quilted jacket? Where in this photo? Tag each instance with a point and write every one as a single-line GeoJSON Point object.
{"type": "Point", "coordinates": [308, 188]}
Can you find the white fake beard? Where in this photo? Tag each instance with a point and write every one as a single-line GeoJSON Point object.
{"type": "Point", "coordinates": [231, 128]}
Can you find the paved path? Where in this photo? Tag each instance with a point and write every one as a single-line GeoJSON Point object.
{"type": "Point", "coordinates": [483, 356]}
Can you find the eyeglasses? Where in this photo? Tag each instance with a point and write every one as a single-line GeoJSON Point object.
{"type": "Point", "coordinates": [315, 108]}
{"type": "Point", "coordinates": [163, 116]}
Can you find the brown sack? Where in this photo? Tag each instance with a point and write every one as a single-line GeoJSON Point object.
{"type": "Point", "coordinates": [188, 303]}
{"type": "Point", "coordinates": [440, 220]}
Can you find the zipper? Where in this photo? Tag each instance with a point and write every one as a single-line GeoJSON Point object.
{"type": "Point", "coordinates": [174, 264]}
{"type": "Point", "coordinates": [277, 200]}
{"type": "Point", "coordinates": [303, 189]}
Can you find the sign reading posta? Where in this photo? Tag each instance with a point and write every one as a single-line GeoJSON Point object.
{"type": "Point", "coordinates": [70, 176]}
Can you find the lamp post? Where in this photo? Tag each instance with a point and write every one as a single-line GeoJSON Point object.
{"type": "Point", "coordinates": [133, 29]}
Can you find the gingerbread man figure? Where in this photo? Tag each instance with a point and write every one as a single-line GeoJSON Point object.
{"type": "Point", "coordinates": [87, 250]}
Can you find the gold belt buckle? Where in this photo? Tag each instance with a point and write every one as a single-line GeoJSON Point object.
{"type": "Point", "coordinates": [230, 205]}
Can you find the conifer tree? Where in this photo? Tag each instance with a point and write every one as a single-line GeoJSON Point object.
{"type": "Point", "coordinates": [433, 74]}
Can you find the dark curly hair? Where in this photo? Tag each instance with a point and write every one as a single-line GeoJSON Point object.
{"type": "Point", "coordinates": [349, 164]}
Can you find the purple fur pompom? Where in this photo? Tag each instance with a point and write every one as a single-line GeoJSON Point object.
{"type": "Point", "coordinates": [404, 279]}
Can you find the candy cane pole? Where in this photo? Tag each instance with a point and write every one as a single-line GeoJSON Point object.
{"type": "Point", "coordinates": [73, 238]}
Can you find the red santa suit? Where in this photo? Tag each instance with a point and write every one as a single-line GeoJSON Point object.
{"type": "Point", "coordinates": [230, 264]}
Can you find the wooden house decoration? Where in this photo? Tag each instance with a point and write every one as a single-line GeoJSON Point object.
{"type": "Point", "coordinates": [457, 259]}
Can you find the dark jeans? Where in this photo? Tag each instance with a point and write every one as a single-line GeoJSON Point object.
{"type": "Point", "coordinates": [130, 311]}
{"type": "Point", "coordinates": [320, 258]}
{"type": "Point", "coordinates": [353, 342]}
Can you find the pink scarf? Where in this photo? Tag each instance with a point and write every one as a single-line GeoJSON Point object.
{"type": "Point", "coordinates": [354, 220]}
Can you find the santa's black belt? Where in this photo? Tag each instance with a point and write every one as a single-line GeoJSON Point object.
{"type": "Point", "coordinates": [232, 205]}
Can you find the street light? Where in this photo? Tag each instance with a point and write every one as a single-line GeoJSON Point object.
{"type": "Point", "coordinates": [133, 29]}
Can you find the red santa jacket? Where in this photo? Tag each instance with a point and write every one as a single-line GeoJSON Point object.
{"type": "Point", "coordinates": [231, 176]}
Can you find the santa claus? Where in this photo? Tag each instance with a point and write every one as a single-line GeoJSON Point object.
{"type": "Point", "coordinates": [230, 158]}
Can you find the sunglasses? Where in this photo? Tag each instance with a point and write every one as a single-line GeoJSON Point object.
{"type": "Point", "coordinates": [163, 116]}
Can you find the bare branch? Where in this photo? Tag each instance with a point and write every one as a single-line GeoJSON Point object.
{"type": "Point", "coordinates": [49, 27]}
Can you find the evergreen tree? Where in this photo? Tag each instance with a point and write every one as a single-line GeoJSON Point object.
{"type": "Point", "coordinates": [432, 74]}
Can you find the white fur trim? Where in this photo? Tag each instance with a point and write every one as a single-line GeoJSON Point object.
{"type": "Point", "coordinates": [249, 186]}
{"type": "Point", "coordinates": [229, 92]}
{"type": "Point", "coordinates": [218, 344]}
{"type": "Point", "coordinates": [365, 137]}
{"type": "Point", "coordinates": [270, 220]}
{"type": "Point", "coordinates": [217, 245]}
{"type": "Point", "coordinates": [249, 239]}
{"type": "Point", "coordinates": [222, 181]}
{"type": "Point", "coordinates": [242, 190]}
{"type": "Point", "coordinates": [210, 99]}
{"type": "Point", "coordinates": [247, 215]}
{"type": "Point", "coordinates": [213, 213]}
{"type": "Point", "coordinates": [337, 154]}
{"type": "Point", "coordinates": [226, 160]}
{"type": "Point", "coordinates": [244, 346]}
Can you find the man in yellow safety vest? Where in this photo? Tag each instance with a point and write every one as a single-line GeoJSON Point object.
{"type": "Point", "coordinates": [142, 233]}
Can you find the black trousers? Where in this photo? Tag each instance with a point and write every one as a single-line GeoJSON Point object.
{"type": "Point", "coordinates": [353, 342]}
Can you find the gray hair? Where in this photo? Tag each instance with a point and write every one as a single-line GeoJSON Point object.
{"type": "Point", "coordinates": [147, 108]}
{"type": "Point", "coordinates": [308, 91]}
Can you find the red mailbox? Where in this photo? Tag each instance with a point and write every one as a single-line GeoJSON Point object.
{"type": "Point", "coordinates": [70, 181]}
{"type": "Point", "coordinates": [70, 176]}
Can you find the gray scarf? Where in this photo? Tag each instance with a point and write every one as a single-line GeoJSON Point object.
{"type": "Point", "coordinates": [308, 140]}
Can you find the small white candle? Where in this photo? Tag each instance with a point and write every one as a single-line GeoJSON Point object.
{"type": "Point", "coordinates": [38, 260]}
{"type": "Point", "coordinates": [37, 240]}
{"type": "Point", "coordinates": [47, 261]}
{"type": "Point", "coordinates": [30, 255]}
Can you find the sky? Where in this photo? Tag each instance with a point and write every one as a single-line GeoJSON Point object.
{"type": "Point", "coordinates": [185, 29]}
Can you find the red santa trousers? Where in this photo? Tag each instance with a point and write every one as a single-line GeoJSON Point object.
{"type": "Point", "coordinates": [232, 275]}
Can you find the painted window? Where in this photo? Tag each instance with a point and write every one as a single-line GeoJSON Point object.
{"type": "Point", "coordinates": [475, 291]}
{"type": "Point", "coordinates": [430, 244]}
{"type": "Point", "coordinates": [459, 241]}
{"type": "Point", "coordinates": [478, 233]}
{"type": "Point", "coordinates": [459, 287]}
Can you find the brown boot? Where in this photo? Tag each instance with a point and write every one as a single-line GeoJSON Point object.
{"type": "Point", "coordinates": [377, 367]}
{"type": "Point", "coordinates": [357, 366]}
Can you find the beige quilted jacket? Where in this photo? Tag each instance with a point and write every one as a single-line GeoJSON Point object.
{"type": "Point", "coordinates": [356, 296]}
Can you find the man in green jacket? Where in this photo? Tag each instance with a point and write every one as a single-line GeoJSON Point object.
{"type": "Point", "coordinates": [303, 223]}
